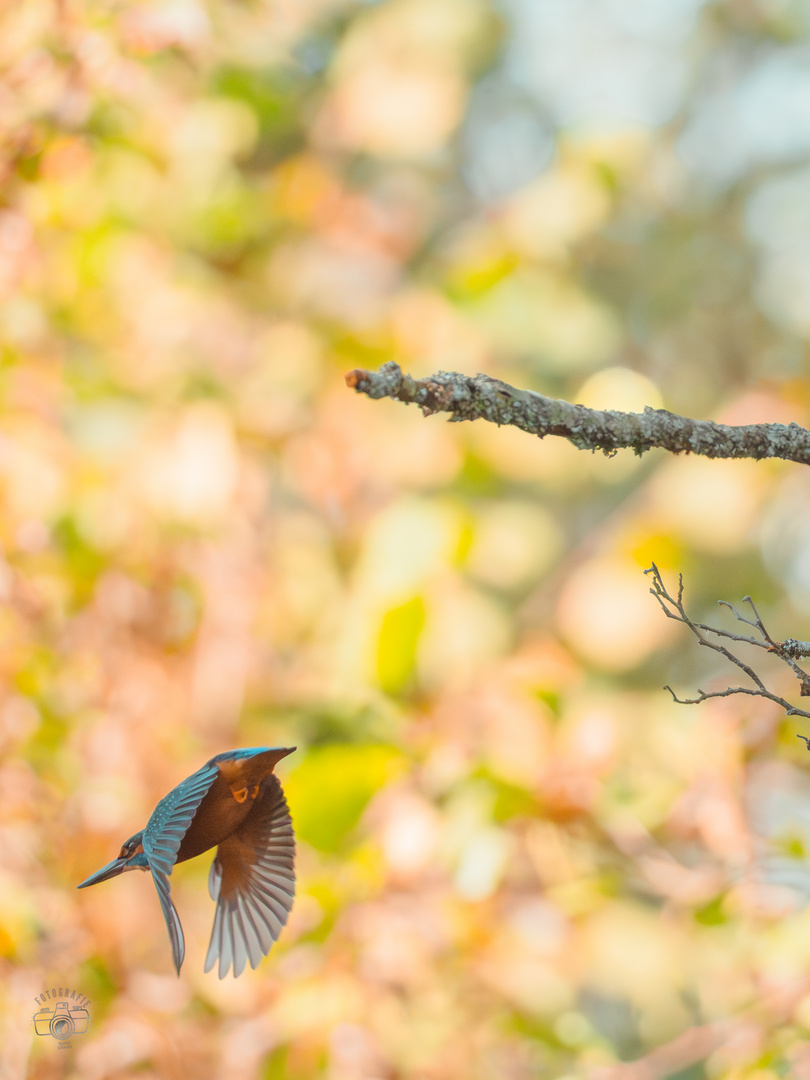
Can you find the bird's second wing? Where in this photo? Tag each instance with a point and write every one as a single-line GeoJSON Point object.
{"type": "Point", "coordinates": [253, 881]}
{"type": "Point", "coordinates": [172, 918]}
{"type": "Point", "coordinates": [172, 816]}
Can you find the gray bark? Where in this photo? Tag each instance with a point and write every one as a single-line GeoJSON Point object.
{"type": "Point", "coordinates": [480, 397]}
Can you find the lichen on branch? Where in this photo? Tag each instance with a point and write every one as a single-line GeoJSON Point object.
{"type": "Point", "coordinates": [480, 397]}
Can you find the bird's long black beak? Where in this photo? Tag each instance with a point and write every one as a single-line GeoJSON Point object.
{"type": "Point", "coordinates": [273, 756]}
{"type": "Point", "coordinates": [112, 869]}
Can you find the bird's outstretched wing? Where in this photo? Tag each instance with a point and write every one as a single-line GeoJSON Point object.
{"type": "Point", "coordinates": [172, 816]}
{"type": "Point", "coordinates": [161, 840]}
{"type": "Point", "coordinates": [253, 881]}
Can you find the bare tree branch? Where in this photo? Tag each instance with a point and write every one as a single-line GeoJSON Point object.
{"type": "Point", "coordinates": [476, 397]}
{"type": "Point", "coordinates": [673, 608]}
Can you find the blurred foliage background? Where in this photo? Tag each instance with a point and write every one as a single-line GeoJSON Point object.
{"type": "Point", "coordinates": [517, 857]}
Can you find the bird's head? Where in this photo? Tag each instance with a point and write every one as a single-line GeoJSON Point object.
{"type": "Point", "coordinates": [131, 857]}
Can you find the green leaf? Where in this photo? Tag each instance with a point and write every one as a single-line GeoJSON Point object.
{"type": "Point", "coordinates": [397, 644]}
{"type": "Point", "coordinates": [329, 790]}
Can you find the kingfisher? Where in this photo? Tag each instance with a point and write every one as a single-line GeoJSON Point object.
{"type": "Point", "coordinates": [234, 803]}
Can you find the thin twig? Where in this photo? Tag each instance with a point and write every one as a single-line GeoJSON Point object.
{"type": "Point", "coordinates": [732, 637]}
{"type": "Point", "coordinates": [673, 608]}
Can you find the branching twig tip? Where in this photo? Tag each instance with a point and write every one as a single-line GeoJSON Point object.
{"type": "Point", "coordinates": [674, 609]}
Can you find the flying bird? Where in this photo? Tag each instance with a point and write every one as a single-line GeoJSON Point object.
{"type": "Point", "coordinates": [234, 803]}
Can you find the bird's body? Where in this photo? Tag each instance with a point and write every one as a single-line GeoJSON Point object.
{"type": "Point", "coordinates": [233, 803]}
